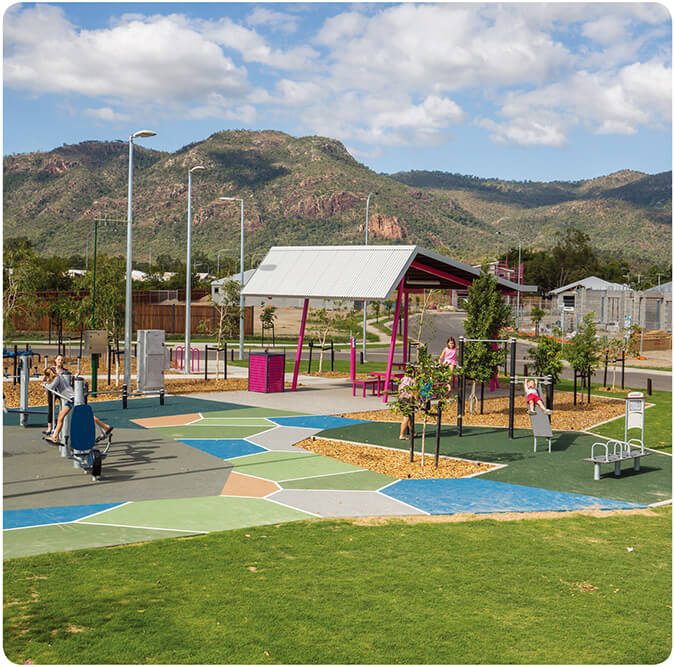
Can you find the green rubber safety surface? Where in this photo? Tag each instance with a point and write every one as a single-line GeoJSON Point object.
{"type": "Point", "coordinates": [216, 431]}
{"type": "Point", "coordinates": [364, 480]}
{"type": "Point", "coordinates": [563, 469]}
{"type": "Point", "coordinates": [72, 536]}
{"type": "Point", "coordinates": [278, 466]}
{"type": "Point", "coordinates": [199, 514]}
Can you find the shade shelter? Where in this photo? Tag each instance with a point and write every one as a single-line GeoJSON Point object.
{"type": "Point", "coordinates": [367, 273]}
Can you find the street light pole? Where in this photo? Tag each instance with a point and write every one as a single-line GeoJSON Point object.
{"type": "Point", "coordinates": [241, 301]}
{"type": "Point", "coordinates": [188, 279]}
{"type": "Point", "coordinates": [367, 225]}
{"type": "Point", "coordinates": [218, 257]}
{"type": "Point", "coordinates": [129, 302]}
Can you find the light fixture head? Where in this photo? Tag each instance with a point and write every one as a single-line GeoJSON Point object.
{"type": "Point", "coordinates": [197, 168]}
{"type": "Point", "coordinates": [231, 199]}
{"type": "Point", "coordinates": [143, 133]}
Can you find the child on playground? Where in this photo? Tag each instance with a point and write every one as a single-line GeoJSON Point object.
{"type": "Point", "coordinates": [533, 398]}
{"type": "Point", "coordinates": [448, 354]}
{"type": "Point", "coordinates": [50, 373]}
{"type": "Point", "coordinates": [448, 358]}
{"type": "Point", "coordinates": [405, 393]}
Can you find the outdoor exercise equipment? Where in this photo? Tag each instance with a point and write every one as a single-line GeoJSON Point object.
{"type": "Point", "coordinates": [635, 410]}
{"type": "Point", "coordinates": [152, 359]}
{"type": "Point", "coordinates": [462, 381]}
{"type": "Point", "coordinates": [631, 450]}
{"type": "Point", "coordinates": [24, 382]}
{"type": "Point", "coordinates": [540, 421]}
{"type": "Point", "coordinates": [78, 439]}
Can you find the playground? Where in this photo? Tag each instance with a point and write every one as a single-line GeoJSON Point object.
{"type": "Point", "coordinates": [238, 459]}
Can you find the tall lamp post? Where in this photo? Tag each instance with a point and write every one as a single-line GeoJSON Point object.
{"type": "Point", "coordinates": [129, 302]}
{"type": "Point", "coordinates": [188, 279]}
{"type": "Point", "coordinates": [241, 292]}
{"type": "Point", "coordinates": [519, 264]}
{"type": "Point", "coordinates": [367, 225]}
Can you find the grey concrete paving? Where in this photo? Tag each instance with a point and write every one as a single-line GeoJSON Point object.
{"type": "Point", "coordinates": [328, 503]}
{"type": "Point", "coordinates": [141, 465]}
{"type": "Point", "coordinates": [282, 438]}
{"type": "Point", "coordinates": [325, 397]}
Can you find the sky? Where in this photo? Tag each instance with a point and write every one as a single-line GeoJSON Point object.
{"type": "Point", "coordinates": [525, 91]}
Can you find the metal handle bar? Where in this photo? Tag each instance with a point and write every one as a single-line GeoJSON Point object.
{"type": "Point", "coordinates": [53, 391]}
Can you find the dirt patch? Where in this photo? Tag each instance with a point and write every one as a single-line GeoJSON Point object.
{"type": "Point", "coordinates": [496, 516]}
{"type": "Point", "coordinates": [392, 462]}
{"type": "Point", "coordinates": [566, 416]}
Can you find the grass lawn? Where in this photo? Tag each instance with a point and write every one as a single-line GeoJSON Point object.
{"type": "Point", "coordinates": [561, 590]}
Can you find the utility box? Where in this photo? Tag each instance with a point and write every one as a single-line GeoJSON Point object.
{"type": "Point", "coordinates": [152, 359]}
{"type": "Point", "coordinates": [266, 370]}
{"type": "Point", "coordinates": [95, 342]}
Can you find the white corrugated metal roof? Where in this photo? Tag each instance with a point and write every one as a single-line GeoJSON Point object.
{"type": "Point", "coordinates": [345, 272]}
{"type": "Point", "coordinates": [591, 283]}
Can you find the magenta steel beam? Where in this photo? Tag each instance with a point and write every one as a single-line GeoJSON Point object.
{"type": "Point", "coordinates": [298, 355]}
{"type": "Point", "coordinates": [407, 303]}
{"type": "Point", "coordinates": [392, 349]}
{"type": "Point", "coordinates": [441, 274]}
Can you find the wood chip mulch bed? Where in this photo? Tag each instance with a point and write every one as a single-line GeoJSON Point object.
{"type": "Point", "coordinates": [566, 416]}
{"type": "Point", "coordinates": [394, 463]}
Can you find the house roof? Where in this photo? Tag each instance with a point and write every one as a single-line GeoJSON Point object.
{"type": "Point", "coordinates": [247, 275]}
{"type": "Point", "coordinates": [591, 283]}
{"type": "Point", "coordinates": [665, 287]}
{"type": "Point", "coordinates": [359, 272]}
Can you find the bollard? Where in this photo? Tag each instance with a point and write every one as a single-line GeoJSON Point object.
{"type": "Point", "coordinates": [511, 410]}
{"type": "Point", "coordinates": [125, 396]}
{"type": "Point", "coordinates": [206, 363]}
{"type": "Point", "coordinates": [412, 427]}
{"type": "Point", "coordinates": [622, 375]}
{"type": "Point", "coordinates": [649, 386]}
{"type": "Point", "coordinates": [161, 397]}
{"type": "Point", "coordinates": [437, 437]}
{"type": "Point", "coordinates": [361, 358]}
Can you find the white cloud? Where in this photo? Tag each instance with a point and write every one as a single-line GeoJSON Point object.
{"type": "Point", "coordinates": [273, 19]}
{"type": "Point", "coordinates": [254, 48]}
{"type": "Point", "coordinates": [106, 114]}
{"type": "Point", "coordinates": [154, 60]}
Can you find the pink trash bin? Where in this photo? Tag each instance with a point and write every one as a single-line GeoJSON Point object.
{"type": "Point", "coordinates": [266, 369]}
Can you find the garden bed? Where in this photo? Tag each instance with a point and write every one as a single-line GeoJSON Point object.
{"type": "Point", "coordinates": [393, 462]}
{"type": "Point", "coordinates": [566, 416]}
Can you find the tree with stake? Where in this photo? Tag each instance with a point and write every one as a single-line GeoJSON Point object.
{"type": "Point", "coordinates": [584, 351]}
{"type": "Point", "coordinates": [537, 314]}
{"type": "Point", "coordinates": [427, 381]}
{"type": "Point", "coordinates": [486, 314]}
{"type": "Point", "coordinates": [228, 312]}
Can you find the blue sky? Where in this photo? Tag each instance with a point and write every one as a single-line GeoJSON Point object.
{"type": "Point", "coordinates": [517, 91]}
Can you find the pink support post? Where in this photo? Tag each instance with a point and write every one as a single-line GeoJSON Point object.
{"type": "Point", "coordinates": [405, 316]}
{"type": "Point", "coordinates": [298, 355]}
{"type": "Point", "coordinates": [392, 349]}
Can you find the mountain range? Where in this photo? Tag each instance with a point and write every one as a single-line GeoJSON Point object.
{"type": "Point", "coordinates": [310, 190]}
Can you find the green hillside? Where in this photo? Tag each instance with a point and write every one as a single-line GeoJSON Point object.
{"type": "Point", "coordinates": [310, 190]}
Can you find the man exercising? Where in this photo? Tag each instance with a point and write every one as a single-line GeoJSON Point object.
{"type": "Point", "coordinates": [62, 387]}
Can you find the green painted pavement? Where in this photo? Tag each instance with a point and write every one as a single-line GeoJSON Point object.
{"type": "Point", "coordinates": [248, 422]}
{"type": "Point", "coordinates": [364, 480]}
{"type": "Point", "coordinates": [561, 470]}
{"type": "Point", "coordinates": [196, 431]}
{"type": "Point", "coordinates": [199, 514]}
{"type": "Point", "coordinates": [71, 536]}
{"type": "Point", "coordinates": [279, 466]}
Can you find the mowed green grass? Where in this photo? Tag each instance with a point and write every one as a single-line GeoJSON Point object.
{"type": "Point", "coordinates": [563, 590]}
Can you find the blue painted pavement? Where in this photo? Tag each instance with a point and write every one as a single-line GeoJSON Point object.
{"type": "Point", "coordinates": [225, 449]}
{"type": "Point", "coordinates": [473, 495]}
{"type": "Point", "coordinates": [316, 421]}
{"type": "Point", "coordinates": [43, 516]}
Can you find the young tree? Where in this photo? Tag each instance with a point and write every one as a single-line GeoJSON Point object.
{"type": "Point", "coordinates": [537, 314]}
{"type": "Point", "coordinates": [584, 351]}
{"type": "Point", "coordinates": [486, 314]}
{"type": "Point", "coordinates": [547, 358]}
{"type": "Point", "coordinates": [430, 381]}
{"type": "Point", "coordinates": [267, 316]}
